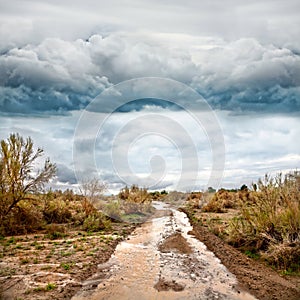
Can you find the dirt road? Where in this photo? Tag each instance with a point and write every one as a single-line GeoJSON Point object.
{"type": "Point", "coordinates": [160, 260]}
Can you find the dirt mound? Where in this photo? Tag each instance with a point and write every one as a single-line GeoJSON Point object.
{"type": "Point", "coordinates": [175, 242]}
{"type": "Point", "coordinates": [164, 285]}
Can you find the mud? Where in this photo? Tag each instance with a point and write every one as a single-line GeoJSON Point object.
{"type": "Point", "coordinates": [163, 285]}
{"type": "Point", "coordinates": [175, 242]}
{"type": "Point", "coordinates": [161, 260]}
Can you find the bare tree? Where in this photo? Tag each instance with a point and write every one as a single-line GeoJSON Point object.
{"type": "Point", "coordinates": [18, 177]}
{"type": "Point", "coordinates": [92, 189]}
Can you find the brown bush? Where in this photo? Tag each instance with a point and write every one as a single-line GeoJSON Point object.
{"type": "Point", "coordinates": [26, 217]}
{"type": "Point", "coordinates": [220, 201]}
{"type": "Point", "coordinates": [135, 194]}
{"type": "Point", "coordinates": [195, 199]}
{"type": "Point", "coordinates": [284, 256]}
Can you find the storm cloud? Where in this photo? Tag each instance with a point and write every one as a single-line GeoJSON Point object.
{"type": "Point", "coordinates": [57, 76]}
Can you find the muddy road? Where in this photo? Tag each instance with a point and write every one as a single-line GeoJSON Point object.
{"type": "Point", "coordinates": [161, 260]}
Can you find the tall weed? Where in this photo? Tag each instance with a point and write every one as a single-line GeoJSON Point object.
{"type": "Point", "coordinates": [270, 220]}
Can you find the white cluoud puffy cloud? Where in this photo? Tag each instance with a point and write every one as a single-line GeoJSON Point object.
{"type": "Point", "coordinates": [31, 22]}
{"type": "Point", "coordinates": [57, 76]}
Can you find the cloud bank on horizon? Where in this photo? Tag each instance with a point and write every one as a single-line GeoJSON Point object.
{"type": "Point", "coordinates": [243, 58]}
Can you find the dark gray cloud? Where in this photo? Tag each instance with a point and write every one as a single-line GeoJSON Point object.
{"type": "Point", "coordinates": [53, 77]}
{"type": "Point", "coordinates": [65, 175]}
{"type": "Point", "coordinates": [58, 76]}
{"type": "Point", "coordinates": [57, 56]}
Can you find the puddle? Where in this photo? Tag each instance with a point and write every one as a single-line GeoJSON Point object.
{"type": "Point", "coordinates": [160, 260]}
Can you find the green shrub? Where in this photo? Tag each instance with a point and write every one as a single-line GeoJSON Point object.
{"type": "Point", "coordinates": [113, 210]}
{"type": "Point", "coordinates": [95, 222]}
{"type": "Point", "coordinates": [56, 211]}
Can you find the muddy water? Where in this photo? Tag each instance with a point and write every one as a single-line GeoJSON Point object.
{"type": "Point", "coordinates": [150, 265]}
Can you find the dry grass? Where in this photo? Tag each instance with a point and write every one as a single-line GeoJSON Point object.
{"type": "Point", "coordinates": [263, 222]}
{"type": "Point", "coordinates": [269, 222]}
{"type": "Point", "coordinates": [222, 200]}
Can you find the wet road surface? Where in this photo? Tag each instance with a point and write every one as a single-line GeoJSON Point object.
{"type": "Point", "coordinates": [160, 260]}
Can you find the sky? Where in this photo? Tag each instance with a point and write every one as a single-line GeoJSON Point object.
{"type": "Point", "coordinates": [165, 94]}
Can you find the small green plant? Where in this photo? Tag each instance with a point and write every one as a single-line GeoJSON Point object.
{"type": "Point", "coordinates": [252, 254]}
{"type": "Point", "coordinates": [50, 286]}
{"type": "Point", "coordinates": [24, 261]}
{"type": "Point", "coordinates": [39, 289]}
{"type": "Point", "coordinates": [291, 271]}
{"type": "Point", "coordinates": [11, 241]}
{"type": "Point", "coordinates": [55, 235]}
{"type": "Point", "coordinates": [39, 247]}
{"type": "Point", "coordinates": [66, 266]}
{"type": "Point", "coordinates": [7, 271]}
{"type": "Point", "coordinates": [36, 261]}
{"type": "Point", "coordinates": [65, 254]}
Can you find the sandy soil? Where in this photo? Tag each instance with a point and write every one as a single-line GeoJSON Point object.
{"type": "Point", "coordinates": [36, 267]}
{"type": "Point", "coordinates": [253, 276]}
